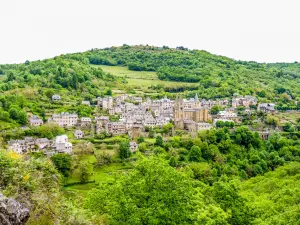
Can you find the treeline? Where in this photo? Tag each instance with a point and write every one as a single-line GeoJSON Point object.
{"type": "Point", "coordinates": [60, 72]}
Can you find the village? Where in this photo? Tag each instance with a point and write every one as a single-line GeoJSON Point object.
{"type": "Point", "coordinates": [135, 116]}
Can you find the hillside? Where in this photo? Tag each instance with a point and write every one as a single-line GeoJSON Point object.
{"type": "Point", "coordinates": [209, 75]}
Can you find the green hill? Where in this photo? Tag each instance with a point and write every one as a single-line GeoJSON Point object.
{"type": "Point", "coordinates": [211, 76]}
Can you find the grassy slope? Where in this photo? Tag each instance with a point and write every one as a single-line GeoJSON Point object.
{"type": "Point", "coordinates": [143, 78]}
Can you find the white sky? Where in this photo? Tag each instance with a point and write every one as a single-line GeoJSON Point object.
{"type": "Point", "coordinates": [258, 30]}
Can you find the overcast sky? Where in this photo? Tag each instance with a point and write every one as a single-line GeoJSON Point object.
{"type": "Point", "coordinates": [257, 30]}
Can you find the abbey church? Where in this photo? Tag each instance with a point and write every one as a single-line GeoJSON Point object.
{"type": "Point", "coordinates": [189, 110]}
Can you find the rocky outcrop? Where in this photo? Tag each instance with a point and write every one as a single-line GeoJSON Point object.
{"type": "Point", "coordinates": [12, 212]}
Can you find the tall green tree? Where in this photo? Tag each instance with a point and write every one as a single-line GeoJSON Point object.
{"type": "Point", "coordinates": [124, 150]}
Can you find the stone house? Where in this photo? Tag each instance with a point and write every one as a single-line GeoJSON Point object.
{"type": "Point", "coordinates": [245, 101]}
{"type": "Point", "coordinates": [35, 121]}
{"type": "Point", "coordinates": [266, 107]}
{"type": "Point", "coordinates": [105, 102]}
{"type": "Point", "coordinates": [78, 134]}
{"type": "Point", "coordinates": [228, 115]}
{"type": "Point", "coordinates": [116, 128]}
{"type": "Point", "coordinates": [133, 146]}
{"type": "Point", "coordinates": [64, 119]}
{"type": "Point", "coordinates": [85, 122]}
{"type": "Point", "coordinates": [62, 145]}
{"type": "Point", "coordinates": [42, 143]}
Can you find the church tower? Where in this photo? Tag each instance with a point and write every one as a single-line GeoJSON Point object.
{"type": "Point", "coordinates": [197, 102]}
{"type": "Point", "coordinates": [178, 113]}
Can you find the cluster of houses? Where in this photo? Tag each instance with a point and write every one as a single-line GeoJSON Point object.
{"type": "Point", "coordinates": [60, 144]}
{"type": "Point", "coordinates": [135, 114]}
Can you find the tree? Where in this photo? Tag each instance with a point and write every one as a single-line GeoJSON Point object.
{"type": "Point", "coordinates": [153, 193]}
{"type": "Point", "coordinates": [140, 139]}
{"type": "Point", "coordinates": [103, 158]}
{"type": "Point", "coordinates": [195, 154]}
{"type": "Point", "coordinates": [159, 141]}
{"type": "Point", "coordinates": [215, 109]}
{"type": "Point", "coordinates": [287, 127]}
{"type": "Point", "coordinates": [84, 172]}
{"type": "Point", "coordinates": [151, 133]}
{"type": "Point", "coordinates": [226, 194]}
{"type": "Point", "coordinates": [62, 163]}
{"type": "Point", "coordinates": [142, 147]}
{"type": "Point", "coordinates": [124, 150]}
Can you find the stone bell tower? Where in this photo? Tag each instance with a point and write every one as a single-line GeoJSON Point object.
{"type": "Point", "coordinates": [178, 113]}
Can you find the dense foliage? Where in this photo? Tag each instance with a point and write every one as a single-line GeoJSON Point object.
{"type": "Point", "coordinates": [217, 76]}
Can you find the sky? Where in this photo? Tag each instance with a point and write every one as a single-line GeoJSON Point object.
{"type": "Point", "coordinates": [252, 30]}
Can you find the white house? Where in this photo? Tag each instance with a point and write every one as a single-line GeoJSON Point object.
{"type": "Point", "coordinates": [62, 145]}
{"type": "Point", "coordinates": [55, 97]}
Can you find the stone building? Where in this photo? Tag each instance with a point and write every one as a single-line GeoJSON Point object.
{"type": "Point", "coordinates": [85, 122]}
{"type": "Point", "coordinates": [116, 128]}
{"type": "Point", "coordinates": [227, 115]}
{"type": "Point", "coordinates": [133, 146]}
{"type": "Point", "coordinates": [35, 121]}
{"type": "Point", "coordinates": [189, 110]}
{"type": "Point", "coordinates": [105, 102]}
{"type": "Point", "coordinates": [61, 144]}
{"type": "Point", "coordinates": [245, 101]}
{"type": "Point", "coordinates": [64, 119]}
{"type": "Point", "coordinates": [78, 134]}
{"type": "Point", "coordinates": [266, 107]}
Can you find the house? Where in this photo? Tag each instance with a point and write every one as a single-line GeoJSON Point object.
{"type": "Point", "coordinates": [245, 101]}
{"type": "Point", "coordinates": [85, 122]}
{"type": "Point", "coordinates": [64, 119]}
{"type": "Point", "coordinates": [35, 121]}
{"type": "Point", "coordinates": [22, 146]}
{"type": "Point", "coordinates": [133, 146]}
{"type": "Point", "coordinates": [105, 102]}
{"type": "Point", "coordinates": [55, 97]}
{"type": "Point", "coordinates": [62, 145]}
{"type": "Point", "coordinates": [227, 115]}
{"type": "Point", "coordinates": [17, 146]}
{"type": "Point", "coordinates": [203, 126]}
{"type": "Point", "coordinates": [266, 107]}
{"type": "Point", "coordinates": [116, 128]}
{"type": "Point", "coordinates": [78, 134]}
{"type": "Point", "coordinates": [42, 143]}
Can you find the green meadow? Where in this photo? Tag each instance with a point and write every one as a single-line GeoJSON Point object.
{"type": "Point", "coordinates": [139, 78]}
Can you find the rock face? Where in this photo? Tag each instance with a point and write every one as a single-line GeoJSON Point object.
{"type": "Point", "coordinates": [12, 212]}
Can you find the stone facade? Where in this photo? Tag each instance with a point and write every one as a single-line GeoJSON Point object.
{"type": "Point", "coordinates": [64, 119]}
{"type": "Point", "coordinates": [189, 110]}
{"type": "Point", "coordinates": [35, 121]}
{"type": "Point", "coordinates": [245, 101]}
